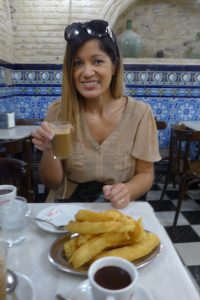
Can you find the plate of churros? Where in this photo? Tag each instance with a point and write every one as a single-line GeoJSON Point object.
{"type": "Point", "coordinates": [92, 235]}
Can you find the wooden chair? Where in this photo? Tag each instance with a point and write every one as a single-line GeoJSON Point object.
{"type": "Point", "coordinates": [161, 124]}
{"type": "Point", "coordinates": [24, 149]}
{"type": "Point", "coordinates": [14, 171]}
{"type": "Point", "coordinates": [161, 166]}
{"type": "Point", "coordinates": [21, 149]}
{"type": "Point", "coordinates": [32, 157]}
{"type": "Point", "coordinates": [164, 152]}
{"type": "Point", "coordinates": [180, 165]}
{"type": "Point", "coordinates": [28, 121]}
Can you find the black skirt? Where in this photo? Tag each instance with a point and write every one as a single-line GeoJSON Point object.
{"type": "Point", "coordinates": [85, 192]}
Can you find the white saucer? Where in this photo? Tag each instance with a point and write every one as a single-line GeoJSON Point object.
{"type": "Point", "coordinates": [83, 292]}
{"type": "Point", "coordinates": [24, 289]}
{"type": "Point", "coordinates": [58, 214]}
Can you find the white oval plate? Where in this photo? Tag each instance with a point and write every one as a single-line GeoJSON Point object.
{"type": "Point", "coordinates": [24, 289]}
{"type": "Point", "coordinates": [59, 214]}
{"type": "Point", "coordinates": [83, 292]}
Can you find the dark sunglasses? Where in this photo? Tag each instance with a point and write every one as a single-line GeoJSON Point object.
{"type": "Point", "coordinates": [94, 28]}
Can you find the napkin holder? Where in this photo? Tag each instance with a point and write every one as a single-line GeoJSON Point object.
{"type": "Point", "coordinates": [7, 120]}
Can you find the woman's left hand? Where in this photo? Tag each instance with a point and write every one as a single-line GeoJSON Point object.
{"type": "Point", "coordinates": [118, 194]}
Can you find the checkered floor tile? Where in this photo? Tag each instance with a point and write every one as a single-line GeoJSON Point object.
{"type": "Point", "coordinates": [186, 235]}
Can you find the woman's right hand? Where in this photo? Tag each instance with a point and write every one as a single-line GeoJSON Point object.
{"type": "Point", "coordinates": [42, 137]}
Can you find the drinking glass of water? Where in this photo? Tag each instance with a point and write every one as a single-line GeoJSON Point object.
{"type": "Point", "coordinates": [13, 221]}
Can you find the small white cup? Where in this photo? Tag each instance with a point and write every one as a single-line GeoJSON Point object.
{"type": "Point", "coordinates": [7, 193]}
{"type": "Point", "coordinates": [106, 292]}
{"type": "Point", "coordinates": [13, 221]}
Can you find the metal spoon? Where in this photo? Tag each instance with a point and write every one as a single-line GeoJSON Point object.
{"type": "Point", "coordinates": [60, 297]}
{"type": "Point", "coordinates": [57, 227]}
{"type": "Point", "coordinates": [11, 281]}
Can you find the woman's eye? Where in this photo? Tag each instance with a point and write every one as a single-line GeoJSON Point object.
{"type": "Point", "coordinates": [98, 61]}
{"type": "Point", "coordinates": [77, 63]}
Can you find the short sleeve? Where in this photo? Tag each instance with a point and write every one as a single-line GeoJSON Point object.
{"type": "Point", "coordinates": [54, 111]}
{"type": "Point", "coordinates": [146, 140]}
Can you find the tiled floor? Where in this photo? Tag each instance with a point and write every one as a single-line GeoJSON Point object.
{"type": "Point", "coordinates": [186, 235]}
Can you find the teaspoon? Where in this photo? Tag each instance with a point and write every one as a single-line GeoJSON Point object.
{"type": "Point", "coordinates": [11, 282]}
{"type": "Point", "coordinates": [60, 297]}
{"type": "Point", "coordinates": [57, 227]}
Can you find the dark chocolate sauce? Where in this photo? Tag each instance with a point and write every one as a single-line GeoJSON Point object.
{"type": "Point", "coordinates": [112, 278]}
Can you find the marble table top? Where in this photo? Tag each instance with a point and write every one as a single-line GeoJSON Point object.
{"type": "Point", "coordinates": [17, 132]}
{"type": "Point", "coordinates": [165, 277]}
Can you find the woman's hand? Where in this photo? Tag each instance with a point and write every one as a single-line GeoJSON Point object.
{"type": "Point", "coordinates": [118, 194]}
{"type": "Point", "coordinates": [42, 137]}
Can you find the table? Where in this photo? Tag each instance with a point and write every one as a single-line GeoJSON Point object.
{"type": "Point", "coordinates": [195, 125]}
{"type": "Point", "coordinates": [17, 132]}
{"type": "Point", "coordinates": [165, 277]}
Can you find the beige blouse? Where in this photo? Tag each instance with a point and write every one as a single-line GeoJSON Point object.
{"type": "Point", "coordinates": [113, 161]}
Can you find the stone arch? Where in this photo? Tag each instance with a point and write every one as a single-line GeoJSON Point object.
{"type": "Point", "coordinates": [114, 8]}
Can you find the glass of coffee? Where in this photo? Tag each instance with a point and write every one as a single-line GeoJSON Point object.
{"type": "Point", "coordinates": [113, 278]}
{"type": "Point", "coordinates": [62, 140]}
{"type": "Point", "coordinates": [7, 193]}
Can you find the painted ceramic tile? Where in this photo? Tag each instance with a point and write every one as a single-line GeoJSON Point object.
{"type": "Point", "coordinates": [173, 92]}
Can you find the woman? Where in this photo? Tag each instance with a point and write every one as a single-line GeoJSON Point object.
{"type": "Point", "coordinates": [114, 137]}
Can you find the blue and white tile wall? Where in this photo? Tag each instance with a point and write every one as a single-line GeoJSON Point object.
{"type": "Point", "coordinates": [7, 90]}
{"type": "Point", "coordinates": [34, 88]}
{"type": "Point", "coordinates": [173, 91]}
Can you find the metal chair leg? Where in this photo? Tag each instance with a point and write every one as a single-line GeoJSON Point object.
{"type": "Point", "coordinates": [165, 185]}
{"type": "Point", "coordinates": [180, 200]}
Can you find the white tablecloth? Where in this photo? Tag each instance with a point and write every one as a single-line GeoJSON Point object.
{"type": "Point", "coordinates": [165, 277]}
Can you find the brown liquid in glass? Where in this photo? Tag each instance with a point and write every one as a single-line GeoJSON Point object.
{"type": "Point", "coordinates": [3, 192]}
{"type": "Point", "coordinates": [62, 145]}
{"type": "Point", "coordinates": [112, 278]}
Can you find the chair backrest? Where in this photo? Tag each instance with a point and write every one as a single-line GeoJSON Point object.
{"type": "Point", "coordinates": [28, 121]}
{"type": "Point", "coordinates": [161, 124]}
{"type": "Point", "coordinates": [180, 146]}
{"type": "Point", "coordinates": [13, 171]}
{"type": "Point", "coordinates": [12, 147]}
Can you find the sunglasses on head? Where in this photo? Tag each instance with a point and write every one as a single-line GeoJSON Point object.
{"type": "Point", "coordinates": [94, 28]}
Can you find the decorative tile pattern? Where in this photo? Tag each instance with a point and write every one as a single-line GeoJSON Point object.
{"type": "Point", "coordinates": [172, 91]}
{"type": "Point", "coordinates": [41, 77]}
{"type": "Point", "coordinates": [32, 107]}
{"type": "Point", "coordinates": [33, 88]}
{"type": "Point", "coordinates": [162, 77]}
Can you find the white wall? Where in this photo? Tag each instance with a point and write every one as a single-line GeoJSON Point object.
{"type": "Point", "coordinates": [6, 49]}
{"type": "Point", "coordinates": [38, 25]}
{"type": "Point", "coordinates": [163, 25]}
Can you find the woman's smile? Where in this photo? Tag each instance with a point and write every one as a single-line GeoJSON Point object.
{"type": "Point", "coordinates": [90, 84]}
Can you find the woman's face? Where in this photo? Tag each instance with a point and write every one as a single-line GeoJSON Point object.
{"type": "Point", "coordinates": [92, 71]}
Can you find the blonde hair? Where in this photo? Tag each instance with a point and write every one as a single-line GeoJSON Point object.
{"type": "Point", "coordinates": [70, 106]}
